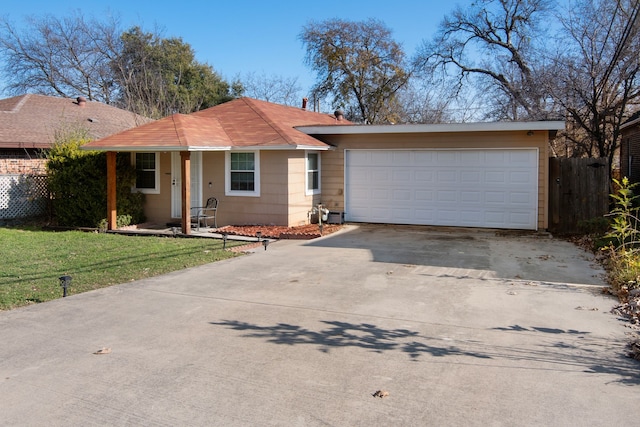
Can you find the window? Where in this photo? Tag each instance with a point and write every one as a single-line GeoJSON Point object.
{"type": "Point", "coordinates": [313, 173]}
{"type": "Point", "coordinates": [243, 173]}
{"type": "Point", "coordinates": [146, 173]}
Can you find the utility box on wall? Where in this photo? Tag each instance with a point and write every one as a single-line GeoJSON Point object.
{"type": "Point", "coordinates": [335, 218]}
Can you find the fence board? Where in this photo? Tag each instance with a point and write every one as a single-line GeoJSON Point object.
{"type": "Point", "coordinates": [579, 191]}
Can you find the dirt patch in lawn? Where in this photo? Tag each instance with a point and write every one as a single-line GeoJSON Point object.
{"type": "Point", "coordinates": [310, 231]}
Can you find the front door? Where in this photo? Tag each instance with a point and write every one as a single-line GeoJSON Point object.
{"type": "Point", "coordinates": [176, 182]}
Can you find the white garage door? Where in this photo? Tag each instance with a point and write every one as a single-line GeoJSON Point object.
{"type": "Point", "coordinates": [469, 188]}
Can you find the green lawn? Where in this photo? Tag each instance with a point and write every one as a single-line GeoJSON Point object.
{"type": "Point", "coordinates": [33, 260]}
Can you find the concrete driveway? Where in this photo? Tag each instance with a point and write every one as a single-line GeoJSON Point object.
{"type": "Point", "coordinates": [460, 327]}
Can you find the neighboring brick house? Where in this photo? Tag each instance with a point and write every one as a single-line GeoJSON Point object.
{"type": "Point", "coordinates": [28, 125]}
{"type": "Point", "coordinates": [630, 149]}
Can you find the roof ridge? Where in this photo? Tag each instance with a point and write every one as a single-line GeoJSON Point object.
{"type": "Point", "coordinates": [180, 134]}
{"type": "Point", "coordinates": [277, 128]}
{"type": "Point", "coordinates": [18, 105]}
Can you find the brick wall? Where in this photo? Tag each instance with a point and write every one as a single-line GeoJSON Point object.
{"type": "Point", "coordinates": [19, 163]}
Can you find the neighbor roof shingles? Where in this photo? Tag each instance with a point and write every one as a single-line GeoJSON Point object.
{"type": "Point", "coordinates": [243, 122]}
{"type": "Point", "coordinates": [31, 121]}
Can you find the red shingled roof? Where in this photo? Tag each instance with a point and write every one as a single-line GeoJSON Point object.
{"type": "Point", "coordinates": [31, 121]}
{"type": "Point", "coordinates": [243, 122]}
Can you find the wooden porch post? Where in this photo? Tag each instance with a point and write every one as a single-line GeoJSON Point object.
{"type": "Point", "coordinates": [185, 170]}
{"type": "Point", "coordinates": [111, 190]}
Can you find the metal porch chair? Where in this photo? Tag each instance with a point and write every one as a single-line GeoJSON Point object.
{"type": "Point", "coordinates": [206, 212]}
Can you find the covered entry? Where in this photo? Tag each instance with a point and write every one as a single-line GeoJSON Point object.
{"type": "Point", "coordinates": [494, 188]}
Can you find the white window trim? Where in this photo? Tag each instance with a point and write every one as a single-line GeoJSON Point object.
{"type": "Point", "coordinates": [227, 174]}
{"type": "Point", "coordinates": [156, 189]}
{"type": "Point", "coordinates": [306, 174]}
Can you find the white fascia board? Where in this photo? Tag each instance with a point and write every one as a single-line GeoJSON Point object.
{"type": "Point", "coordinates": [432, 128]}
{"type": "Point", "coordinates": [281, 147]}
{"type": "Point", "coordinates": [245, 148]}
{"type": "Point", "coordinates": [144, 149]}
{"type": "Point", "coordinates": [629, 124]}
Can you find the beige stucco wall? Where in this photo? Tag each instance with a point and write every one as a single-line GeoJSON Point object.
{"type": "Point", "coordinates": [299, 203]}
{"type": "Point", "coordinates": [158, 206]}
{"type": "Point", "coordinates": [282, 198]}
{"type": "Point", "coordinates": [333, 161]}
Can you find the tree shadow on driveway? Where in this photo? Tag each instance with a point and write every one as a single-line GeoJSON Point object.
{"type": "Point", "coordinates": [577, 353]}
{"type": "Point", "coordinates": [344, 334]}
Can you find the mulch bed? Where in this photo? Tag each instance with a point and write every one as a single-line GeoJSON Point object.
{"type": "Point", "coordinates": [310, 231]}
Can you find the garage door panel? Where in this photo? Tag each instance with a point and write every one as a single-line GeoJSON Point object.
{"type": "Point", "coordinates": [470, 177]}
{"type": "Point", "coordinates": [401, 158]}
{"type": "Point", "coordinates": [425, 216]}
{"type": "Point", "coordinates": [447, 176]}
{"type": "Point", "coordinates": [479, 188]}
{"type": "Point", "coordinates": [423, 178]}
{"type": "Point", "coordinates": [378, 175]}
{"type": "Point", "coordinates": [520, 198]}
{"type": "Point", "coordinates": [471, 218]}
{"type": "Point", "coordinates": [447, 158]}
{"type": "Point", "coordinates": [402, 177]}
{"type": "Point", "coordinates": [520, 177]}
{"type": "Point", "coordinates": [381, 194]}
{"type": "Point", "coordinates": [381, 158]}
{"type": "Point", "coordinates": [424, 196]}
{"type": "Point", "coordinates": [424, 158]}
{"type": "Point", "coordinates": [495, 177]}
{"type": "Point", "coordinates": [401, 195]}
{"type": "Point", "coordinates": [447, 196]}
{"type": "Point", "coordinates": [470, 197]}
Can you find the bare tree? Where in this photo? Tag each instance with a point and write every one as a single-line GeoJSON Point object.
{"type": "Point", "coordinates": [272, 88]}
{"type": "Point", "coordinates": [493, 40]}
{"type": "Point", "coordinates": [421, 102]}
{"type": "Point", "coordinates": [359, 65]}
{"type": "Point", "coordinates": [597, 73]}
{"type": "Point", "coordinates": [60, 56]}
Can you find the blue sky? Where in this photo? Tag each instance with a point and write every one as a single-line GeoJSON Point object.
{"type": "Point", "coordinates": [241, 36]}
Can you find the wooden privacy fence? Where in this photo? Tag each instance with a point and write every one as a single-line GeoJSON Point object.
{"type": "Point", "coordinates": [579, 190]}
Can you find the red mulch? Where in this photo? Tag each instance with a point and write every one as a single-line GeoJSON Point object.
{"type": "Point", "coordinates": [310, 231]}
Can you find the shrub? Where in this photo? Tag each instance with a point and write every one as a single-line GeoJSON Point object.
{"type": "Point", "coordinates": [625, 216]}
{"type": "Point", "coordinates": [624, 256]}
{"type": "Point", "coordinates": [77, 180]}
{"type": "Point", "coordinates": [121, 221]}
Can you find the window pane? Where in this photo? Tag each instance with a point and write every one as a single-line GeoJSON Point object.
{"type": "Point", "coordinates": [145, 179]}
{"type": "Point", "coordinates": [242, 162]}
{"type": "Point", "coordinates": [312, 180]}
{"type": "Point", "coordinates": [146, 170]}
{"type": "Point", "coordinates": [242, 175]}
{"type": "Point", "coordinates": [312, 161]}
{"type": "Point", "coordinates": [242, 181]}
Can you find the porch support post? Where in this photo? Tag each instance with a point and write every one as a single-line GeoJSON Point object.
{"type": "Point", "coordinates": [185, 170]}
{"type": "Point", "coordinates": [111, 190]}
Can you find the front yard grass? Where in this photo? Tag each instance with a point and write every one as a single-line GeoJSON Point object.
{"type": "Point", "coordinates": [31, 261]}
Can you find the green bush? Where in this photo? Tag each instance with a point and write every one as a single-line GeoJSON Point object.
{"type": "Point", "coordinates": [121, 221]}
{"type": "Point", "coordinates": [624, 254]}
{"type": "Point", "coordinates": [624, 215]}
{"type": "Point", "coordinates": [77, 180]}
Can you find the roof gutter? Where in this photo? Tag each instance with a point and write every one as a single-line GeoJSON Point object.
{"type": "Point", "coordinates": [142, 149]}
{"type": "Point", "coordinates": [432, 128]}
